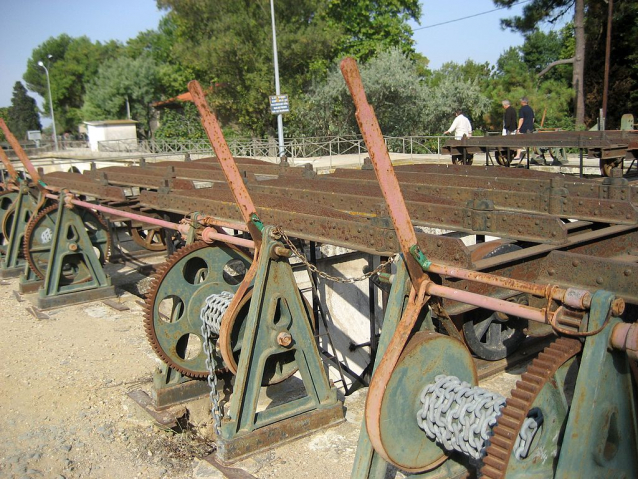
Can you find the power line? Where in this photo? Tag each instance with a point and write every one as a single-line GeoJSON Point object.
{"type": "Point", "coordinates": [470, 16]}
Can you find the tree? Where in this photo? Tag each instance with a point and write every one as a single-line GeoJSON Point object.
{"type": "Point", "coordinates": [119, 80]}
{"type": "Point", "coordinates": [515, 77]}
{"type": "Point", "coordinates": [228, 44]}
{"type": "Point", "coordinates": [398, 99]}
{"type": "Point", "coordinates": [4, 114]}
{"type": "Point", "coordinates": [371, 26]}
{"type": "Point", "coordinates": [173, 74]}
{"type": "Point", "coordinates": [23, 113]}
{"type": "Point", "coordinates": [180, 124]}
{"type": "Point", "coordinates": [538, 11]}
{"type": "Point", "coordinates": [403, 102]}
{"type": "Point", "coordinates": [623, 72]}
{"type": "Point", "coordinates": [72, 64]}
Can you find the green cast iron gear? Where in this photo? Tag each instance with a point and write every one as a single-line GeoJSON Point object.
{"type": "Point", "coordinates": [7, 198]}
{"type": "Point", "coordinates": [179, 290]}
{"type": "Point", "coordinates": [39, 235]}
{"type": "Point", "coordinates": [542, 386]}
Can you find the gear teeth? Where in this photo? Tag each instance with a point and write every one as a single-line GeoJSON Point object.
{"type": "Point", "coordinates": [33, 222]}
{"type": "Point", "coordinates": [149, 324]}
{"type": "Point", "coordinates": [542, 369]}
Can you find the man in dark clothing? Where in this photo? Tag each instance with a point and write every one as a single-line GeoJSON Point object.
{"type": "Point", "coordinates": [525, 122]}
{"type": "Point", "coordinates": [509, 118]}
{"type": "Point", "coordinates": [525, 117]}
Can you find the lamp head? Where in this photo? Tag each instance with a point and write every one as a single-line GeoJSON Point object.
{"type": "Point", "coordinates": [40, 64]}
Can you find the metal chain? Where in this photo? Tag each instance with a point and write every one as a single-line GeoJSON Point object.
{"type": "Point", "coordinates": [379, 269]}
{"type": "Point", "coordinates": [460, 417]}
{"type": "Point", "coordinates": [211, 315]}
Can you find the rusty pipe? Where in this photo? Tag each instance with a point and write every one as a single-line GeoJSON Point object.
{"type": "Point", "coordinates": [494, 304]}
{"type": "Point", "coordinates": [575, 298]}
{"type": "Point", "coordinates": [210, 235]}
{"type": "Point", "coordinates": [624, 337]}
{"type": "Point", "coordinates": [15, 144]}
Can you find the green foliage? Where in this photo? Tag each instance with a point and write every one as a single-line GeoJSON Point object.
{"type": "Point", "coordinates": [397, 99]}
{"type": "Point", "coordinates": [371, 26]}
{"type": "Point", "coordinates": [403, 102]}
{"type": "Point", "coordinates": [119, 79]}
{"type": "Point", "coordinates": [180, 124]}
{"type": "Point", "coordinates": [535, 12]}
{"type": "Point", "coordinates": [72, 64]}
{"type": "Point", "coordinates": [173, 74]}
{"type": "Point", "coordinates": [23, 113]}
{"type": "Point", "coordinates": [623, 72]}
{"type": "Point", "coordinates": [4, 114]}
{"type": "Point", "coordinates": [229, 44]}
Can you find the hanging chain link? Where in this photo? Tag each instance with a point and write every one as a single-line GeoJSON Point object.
{"type": "Point", "coordinates": [379, 269]}
{"type": "Point", "coordinates": [460, 417]}
{"type": "Point", "coordinates": [211, 315]}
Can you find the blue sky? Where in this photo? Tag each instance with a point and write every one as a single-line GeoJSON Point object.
{"type": "Point", "coordinates": [25, 24]}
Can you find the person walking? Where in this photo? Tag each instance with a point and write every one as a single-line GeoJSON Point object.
{"type": "Point", "coordinates": [525, 117]}
{"type": "Point", "coordinates": [461, 126]}
{"type": "Point", "coordinates": [510, 124]}
{"type": "Point", "coordinates": [525, 122]}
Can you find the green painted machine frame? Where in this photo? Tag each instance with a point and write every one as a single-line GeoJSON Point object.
{"type": "Point", "coordinates": [276, 310]}
{"type": "Point", "coordinates": [71, 241]}
{"type": "Point", "coordinates": [598, 435]}
{"type": "Point", "coordinates": [24, 207]}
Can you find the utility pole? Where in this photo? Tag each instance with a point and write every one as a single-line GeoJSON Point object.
{"type": "Point", "coordinates": [280, 118]}
{"type": "Point", "coordinates": [55, 134]}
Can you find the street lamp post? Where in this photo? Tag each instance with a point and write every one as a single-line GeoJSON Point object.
{"type": "Point", "coordinates": [55, 134]}
{"type": "Point", "coordinates": [280, 121]}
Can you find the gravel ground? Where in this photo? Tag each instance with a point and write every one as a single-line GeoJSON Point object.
{"type": "Point", "coordinates": [64, 411]}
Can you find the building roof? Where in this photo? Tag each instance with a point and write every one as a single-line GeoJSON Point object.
{"type": "Point", "coordinates": [111, 122]}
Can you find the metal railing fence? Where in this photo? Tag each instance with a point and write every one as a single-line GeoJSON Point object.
{"type": "Point", "coordinates": [306, 147]}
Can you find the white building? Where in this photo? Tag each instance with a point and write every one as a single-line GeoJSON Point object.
{"type": "Point", "coordinates": [112, 135]}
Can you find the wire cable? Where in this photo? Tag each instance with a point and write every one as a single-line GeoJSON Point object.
{"type": "Point", "coordinates": [470, 16]}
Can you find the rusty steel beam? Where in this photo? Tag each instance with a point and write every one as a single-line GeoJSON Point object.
{"type": "Point", "coordinates": [311, 222]}
{"type": "Point", "coordinates": [427, 203]}
{"type": "Point", "coordinates": [505, 179]}
{"type": "Point", "coordinates": [601, 245]}
{"type": "Point", "coordinates": [264, 168]}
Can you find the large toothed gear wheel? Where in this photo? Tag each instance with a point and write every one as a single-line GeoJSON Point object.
{"type": "Point", "coordinates": [149, 237]}
{"type": "Point", "coordinates": [544, 387]}
{"type": "Point", "coordinates": [38, 238]}
{"type": "Point", "coordinates": [7, 198]}
{"type": "Point", "coordinates": [173, 306]}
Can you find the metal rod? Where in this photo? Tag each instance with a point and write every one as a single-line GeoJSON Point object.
{"type": "Point", "coordinates": [380, 157]}
{"type": "Point", "coordinates": [576, 298]}
{"type": "Point", "coordinates": [226, 160]}
{"type": "Point", "coordinates": [15, 144]}
{"type": "Point", "coordinates": [208, 234]}
{"type": "Point", "coordinates": [493, 304]}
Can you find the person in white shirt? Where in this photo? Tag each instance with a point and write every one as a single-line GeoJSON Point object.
{"type": "Point", "coordinates": [460, 126]}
